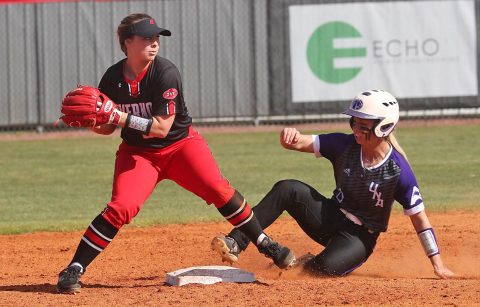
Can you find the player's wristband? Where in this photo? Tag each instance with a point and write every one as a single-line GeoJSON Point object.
{"type": "Point", "coordinates": [429, 242]}
{"type": "Point", "coordinates": [139, 124]}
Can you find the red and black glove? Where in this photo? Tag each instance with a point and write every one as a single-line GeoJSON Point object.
{"type": "Point", "coordinates": [86, 106]}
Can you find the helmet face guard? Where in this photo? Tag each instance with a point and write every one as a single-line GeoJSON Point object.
{"type": "Point", "coordinates": [379, 105]}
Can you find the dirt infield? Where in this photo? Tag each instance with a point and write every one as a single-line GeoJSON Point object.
{"type": "Point", "coordinates": [131, 271]}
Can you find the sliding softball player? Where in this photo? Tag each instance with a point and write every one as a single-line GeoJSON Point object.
{"type": "Point", "coordinates": [371, 172]}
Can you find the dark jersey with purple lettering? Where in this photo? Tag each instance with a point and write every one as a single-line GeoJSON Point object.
{"type": "Point", "coordinates": [368, 193]}
{"type": "Point", "coordinates": [158, 91]}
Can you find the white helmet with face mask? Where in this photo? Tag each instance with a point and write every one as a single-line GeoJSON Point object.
{"type": "Point", "coordinates": [376, 104]}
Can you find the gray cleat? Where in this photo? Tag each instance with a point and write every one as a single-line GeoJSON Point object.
{"type": "Point", "coordinates": [227, 247]}
{"type": "Point", "coordinates": [69, 280]}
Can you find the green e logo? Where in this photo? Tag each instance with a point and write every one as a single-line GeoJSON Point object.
{"type": "Point", "coordinates": [321, 53]}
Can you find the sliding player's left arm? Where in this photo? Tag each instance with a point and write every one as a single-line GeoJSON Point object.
{"type": "Point", "coordinates": [429, 242]}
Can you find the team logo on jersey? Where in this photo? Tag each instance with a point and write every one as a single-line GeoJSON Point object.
{"type": "Point", "coordinates": [119, 84]}
{"type": "Point", "coordinates": [376, 195]}
{"type": "Point", "coordinates": [415, 197]}
{"type": "Point", "coordinates": [170, 94]}
{"type": "Point", "coordinates": [357, 104]}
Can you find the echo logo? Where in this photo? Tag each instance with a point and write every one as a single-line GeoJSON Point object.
{"type": "Point", "coordinates": [321, 52]}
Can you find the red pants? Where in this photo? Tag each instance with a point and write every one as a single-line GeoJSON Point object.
{"type": "Point", "coordinates": [187, 162]}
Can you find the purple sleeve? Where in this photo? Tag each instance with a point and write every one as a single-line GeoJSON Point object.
{"type": "Point", "coordinates": [333, 145]}
{"type": "Point", "coordinates": [407, 192]}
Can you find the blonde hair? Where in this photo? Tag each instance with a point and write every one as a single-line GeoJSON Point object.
{"type": "Point", "coordinates": [392, 140]}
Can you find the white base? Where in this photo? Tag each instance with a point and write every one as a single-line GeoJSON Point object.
{"type": "Point", "coordinates": [208, 275]}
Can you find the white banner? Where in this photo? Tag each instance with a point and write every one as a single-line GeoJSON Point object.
{"type": "Point", "coordinates": [411, 49]}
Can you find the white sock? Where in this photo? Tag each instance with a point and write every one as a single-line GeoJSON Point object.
{"type": "Point", "coordinates": [78, 265]}
{"type": "Point", "coordinates": [260, 238]}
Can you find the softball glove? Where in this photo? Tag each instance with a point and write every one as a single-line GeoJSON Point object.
{"type": "Point", "coordinates": [86, 106]}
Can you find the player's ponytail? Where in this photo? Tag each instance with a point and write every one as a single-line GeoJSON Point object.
{"type": "Point", "coordinates": [393, 141]}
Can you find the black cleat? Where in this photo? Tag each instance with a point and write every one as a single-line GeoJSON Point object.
{"type": "Point", "coordinates": [69, 280]}
{"type": "Point", "coordinates": [282, 256]}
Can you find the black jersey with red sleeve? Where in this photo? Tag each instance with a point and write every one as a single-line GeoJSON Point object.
{"type": "Point", "coordinates": [157, 91]}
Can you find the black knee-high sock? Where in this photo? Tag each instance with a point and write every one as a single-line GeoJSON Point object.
{"type": "Point", "coordinates": [95, 239]}
{"type": "Point", "coordinates": [238, 212]}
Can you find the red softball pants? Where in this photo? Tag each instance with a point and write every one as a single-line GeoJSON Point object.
{"type": "Point", "coordinates": [187, 162]}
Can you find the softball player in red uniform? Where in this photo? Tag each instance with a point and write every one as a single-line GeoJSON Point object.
{"type": "Point", "coordinates": [371, 171]}
{"type": "Point", "coordinates": [158, 143]}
